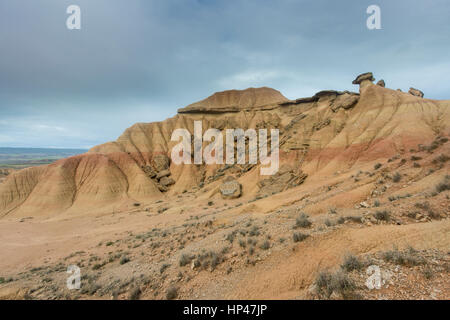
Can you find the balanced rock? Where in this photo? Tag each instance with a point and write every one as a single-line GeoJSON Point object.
{"type": "Point", "coordinates": [368, 76]}
{"type": "Point", "coordinates": [230, 188]}
{"type": "Point", "coordinates": [415, 92]}
{"type": "Point", "coordinates": [364, 80]}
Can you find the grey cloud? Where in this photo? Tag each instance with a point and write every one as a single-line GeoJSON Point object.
{"type": "Point", "coordinates": [138, 61]}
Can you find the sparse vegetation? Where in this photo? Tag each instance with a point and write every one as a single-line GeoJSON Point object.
{"type": "Point", "coordinates": [164, 267]}
{"type": "Point", "coordinates": [185, 259]}
{"type": "Point", "coordinates": [408, 257]}
{"type": "Point", "coordinates": [124, 260]}
{"type": "Point", "coordinates": [428, 209]}
{"type": "Point", "coordinates": [338, 282]}
{"type": "Point", "coordinates": [444, 185]}
{"type": "Point", "coordinates": [135, 294]}
{"type": "Point", "coordinates": [396, 177]}
{"type": "Point", "coordinates": [302, 221]}
{"type": "Point", "coordinates": [329, 223]}
{"type": "Point", "coordinates": [383, 215]}
{"type": "Point", "coordinates": [355, 219]}
{"type": "Point", "coordinates": [332, 210]}
{"type": "Point", "coordinates": [428, 272]}
{"type": "Point", "coordinates": [231, 236]}
{"type": "Point", "coordinates": [3, 280]}
{"type": "Point", "coordinates": [171, 293]}
{"type": "Point", "coordinates": [377, 166]}
{"type": "Point", "coordinates": [254, 232]}
{"type": "Point", "coordinates": [265, 245]}
{"type": "Point", "coordinates": [298, 236]}
{"type": "Point", "coordinates": [97, 266]}
{"type": "Point", "coordinates": [441, 158]}
{"type": "Point", "coordinates": [351, 263]}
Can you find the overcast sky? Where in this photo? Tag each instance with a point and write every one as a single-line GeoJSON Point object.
{"type": "Point", "coordinates": [140, 60]}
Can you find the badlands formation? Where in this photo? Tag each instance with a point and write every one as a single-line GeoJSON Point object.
{"type": "Point", "coordinates": [363, 179]}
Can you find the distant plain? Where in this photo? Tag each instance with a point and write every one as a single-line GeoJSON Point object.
{"type": "Point", "coordinates": [19, 158]}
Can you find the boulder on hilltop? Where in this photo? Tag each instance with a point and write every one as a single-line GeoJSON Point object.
{"type": "Point", "coordinates": [364, 80]}
{"type": "Point", "coordinates": [368, 76]}
{"type": "Point", "coordinates": [416, 92]}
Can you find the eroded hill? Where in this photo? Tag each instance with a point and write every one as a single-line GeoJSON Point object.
{"type": "Point", "coordinates": [329, 132]}
{"type": "Point", "coordinates": [364, 180]}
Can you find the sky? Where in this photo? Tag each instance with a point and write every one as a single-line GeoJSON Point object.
{"type": "Point", "coordinates": [140, 60]}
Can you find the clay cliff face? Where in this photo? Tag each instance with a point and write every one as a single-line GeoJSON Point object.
{"type": "Point", "coordinates": [319, 135]}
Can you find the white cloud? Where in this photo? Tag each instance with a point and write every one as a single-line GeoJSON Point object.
{"type": "Point", "coordinates": [248, 79]}
{"type": "Point", "coordinates": [49, 128]}
{"type": "Point", "coordinates": [6, 139]}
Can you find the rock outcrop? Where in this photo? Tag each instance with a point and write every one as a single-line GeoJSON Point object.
{"type": "Point", "coordinates": [416, 92]}
{"type": "Point", "coordinates": [230, 188]}
{"type": "Point", "coordinates": [346, 101]}
{"type": "Point", "coordinates": [236, 100]}
{"type": "Point", "coordinates": [287, 177]}
{"type": "Point", "coordinates": [364, 80]}
{"type": "Point", "coordinates": [3, 174]}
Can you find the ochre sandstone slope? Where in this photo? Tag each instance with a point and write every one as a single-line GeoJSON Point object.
{"type": "Point", "coordinates": [323, 134]}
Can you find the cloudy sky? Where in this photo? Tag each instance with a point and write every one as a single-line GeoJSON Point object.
{"type": "Point", "coordinates": [140, 60]}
